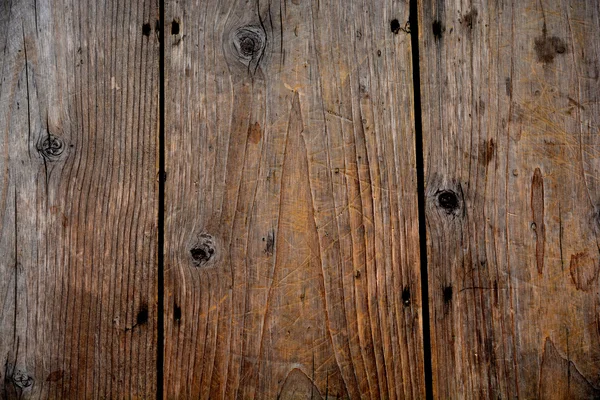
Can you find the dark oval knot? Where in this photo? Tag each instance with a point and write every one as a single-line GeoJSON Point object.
{"type": "Point", "coordinates": [448, 200]}
{"type": "Point", "coordinates": [22, 380]}
{"type": "Point", "coordinates": [203, 251]}
{"type": "Point", "coordinates": [51, 147]}
{"type": "Point", "coordinates": [249, 42]}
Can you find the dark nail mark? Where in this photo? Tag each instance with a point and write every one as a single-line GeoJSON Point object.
{"type": "Point", "coordinates": [146, 29]}
{"type": "Point", "coordinates": [547, 48]}
{"type": "Point", "coordinates": [270, 247]}
{"type": "Point", "coordinates": [447, 291]}
{"type": "Point", "coordinates": [470, 18]}
{"type": "Point", "coordinates": [508, 83]}
{"type": "Point", "coordinates": [51, 147]}
{"type": "Point", "coordinates": [22, 380]}
{"type": "Point", "coordinates": [406, 296]}
{"type": "Point", "coordinates": [584, 271]}
{"type": "Point", "coordinates": [537, 208]}
{"type": "Point", "coordinates": [438, 30]}
{"type": "Point", "coordinates": [175, 27]}
{"type": "Point", "coordinates": [142, 316]}
{"type": "Point", "coordinates": [395, 26]}
{"type": "Point", "coordinates": [378, 53]}
{"type": "Point", "coordinates": [55, 376]}
{"type": "Point", "coordinates": [495, 288]}
{"type": "Point", "coordinates": [486, 152]}
{"type": "Point", "coordinates": [177, 312]}
{"type": "Point", "coordinates": [203, 252]}
{"type": "Point", "coordinates": [448, 200]}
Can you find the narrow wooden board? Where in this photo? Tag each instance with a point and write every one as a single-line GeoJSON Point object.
{"type": "Point", "coordinates": [511, 115]}
{"type": "Point", "coordinates": [78, 199]}
{"type": "Point", "coordinates": [291, 228]}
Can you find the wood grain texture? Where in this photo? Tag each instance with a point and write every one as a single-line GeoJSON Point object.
{"type": "Point", "coordinates": [78, 199]}
{"type": "Point", "coordinates": [291, 230]}
{"type": "Point", "coordinates": [511, 119]}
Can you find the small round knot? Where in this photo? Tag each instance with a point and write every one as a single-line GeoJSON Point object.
{"type": "Point", "coordinates": [249, 43]}
{"type": "Point", "coordinates": [22, 380]}
{"type": "Point", "coordinates": [448, 201]}
{"type": "Point", "coordinates": [203, 251]}
{"type": "Point", "coordinates": [51, 147]}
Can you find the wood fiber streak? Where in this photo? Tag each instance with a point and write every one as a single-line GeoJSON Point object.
{"type": "Point", "coordinates": [291, 227]}
{"type": "Point", "coordinates": [511, 123]}
{"type": "Point", "coordinates": [78, 199]}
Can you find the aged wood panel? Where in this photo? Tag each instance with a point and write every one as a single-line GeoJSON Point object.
{"type": "Point", "coordinates": [511, 119]}
{"type": "Point", "coordinates": [291, 228]}
{"type": "Point", "coordinates": [78, 198]}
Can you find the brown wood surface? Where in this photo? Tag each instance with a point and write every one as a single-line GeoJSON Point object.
{"type": "Point", "coordinates": [511, 114]}
{"type": "Point", "coordinates": [291, 228]}
{"type": "Point", "coordinates": [78, 199]}
{"type": "Point", "coordinates": [291, 224]}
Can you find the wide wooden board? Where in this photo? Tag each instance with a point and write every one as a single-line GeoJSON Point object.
{"type": "Point", "coordinates": [291, 226]}
{"type": "Point", "coordinates": [511, 115]}
{"type": "Point", "coordinates": [78, 199]}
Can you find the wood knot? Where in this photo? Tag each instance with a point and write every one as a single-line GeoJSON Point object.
{"type": "Point", "coordinates": [51, 147]}
{"type": "Point", "coordinates": [22, 380]}
{"type": "Point", "coordinates": [204, 251]}
{"type": "Point", "coordinates": [249, 43]}
{"type": "Point", "coordinates": [448, 201]}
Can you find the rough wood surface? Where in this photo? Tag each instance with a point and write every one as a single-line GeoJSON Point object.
{"type": "Point", "coordinates": [78, 199]}
{"type": "Point", "coordinates": [511, 117]}
{"type": "Point", "coordinates": [291, 237]}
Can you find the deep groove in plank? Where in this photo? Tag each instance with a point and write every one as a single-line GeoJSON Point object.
{"type": "Point", "coordinates": [414, 38]}
{"type": "Point", "coordinates": [161, 207]}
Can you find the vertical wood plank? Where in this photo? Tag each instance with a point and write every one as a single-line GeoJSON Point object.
{"type": "Point", "coordinates": [291, 235]}
{"type": "Point", "coordinates": [511, 118]}
{"type": "Point", "coordinates": [78, 198]}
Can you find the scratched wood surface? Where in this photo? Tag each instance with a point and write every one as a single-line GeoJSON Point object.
{"type": "Point", "coordinates": [511, 117]}
{"type": "Point", "coordinates": [78, 199]}
{"type": "Point", "coordinates": [291, 235]}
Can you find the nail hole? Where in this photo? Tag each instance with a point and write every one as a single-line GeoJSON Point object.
{"type": "Point", "coordinates": [177, 313]}
{"type": "Point", "coordinates": [437, 29]}
{"type": "Point", "coordinates": [447, 294]}
{"type": "Point", "coordinates": [146, 29]}
{"type": "Point", "coordinates": [142, 316]}
{"type": "Point", "coordinates": [406, 296]}
{"type": "Point", "coordinates": [175, 28]}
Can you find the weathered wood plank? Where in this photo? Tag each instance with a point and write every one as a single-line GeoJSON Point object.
{"type": "Point", "coordinates": [78, 199]}
{"type": "Point", "coordinates": [291, 237]}
{"type": "Point", "coordinates": [511, 119]}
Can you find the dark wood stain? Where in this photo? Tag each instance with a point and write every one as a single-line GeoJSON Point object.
{"type": "Point", "coordinates": [538, 225]}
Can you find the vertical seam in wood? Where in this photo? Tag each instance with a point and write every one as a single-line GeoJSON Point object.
{"type": "Point", "coordinates": [420, 166]}
{"type": "Point", "coordinates": [161, 208]}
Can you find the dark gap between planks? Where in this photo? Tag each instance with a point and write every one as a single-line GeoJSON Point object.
{"type": "Point", "coordinates": [161, 210]}
{"type": "Point", "coordinates": [414, 39]}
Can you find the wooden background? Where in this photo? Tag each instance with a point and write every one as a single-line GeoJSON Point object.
{"type": "Point", "coordinates": [229, 199]}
